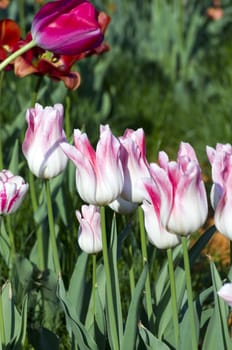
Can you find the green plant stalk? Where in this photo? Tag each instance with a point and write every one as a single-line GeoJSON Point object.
{"type": "Point", "coordinates": [109, 292]}
{"type": "Point", "coordinates": [11, 238]}
{"type": "Point", "coordinates": [17, 53]}
{"type": "Point", "coordinates": [2, 326]}
{"type": "Point", "coordinates": [52, 229]}
{"type": "Point", "coordinates": [173, 297]}
{"type": "Point", "coordinates": [1, 85]}
{"type": "Point", "coordinates": [131, 271]}
{"type": "Point", "coordinates": [94, 281]}
{"type": "Point", "coordinates": [144, 255]}
{"type": "Point", "coordinates": [189, 293]}
{"type": "Point", "coordinates": [39, 233]}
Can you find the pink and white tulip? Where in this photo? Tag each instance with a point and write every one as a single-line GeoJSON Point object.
{"type": "Point", "coordinates": [153, 207]}
{"type": "Point", "coordinates": [41, 145]}
{"type": "Point", "coordinates": [135, 164]}
{"type": "Point", "coordinates": [99, 174]}
{"type": "Point", "coordinates": [89, 234]}
{"type": "Point", "coordinates": [12, 192]}
{"type": "Point", "coordinates": [182, 191]}
{"type": "Point", "coordinates": [225, 292]}
{"type": "Point", "coordinates": [221, 194]}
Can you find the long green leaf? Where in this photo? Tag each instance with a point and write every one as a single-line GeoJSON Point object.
{"type": "Point", "coordinates": [131, 327]}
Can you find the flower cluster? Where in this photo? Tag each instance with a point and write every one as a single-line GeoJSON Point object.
{"type": "Point", "coordinates": [62, 33]}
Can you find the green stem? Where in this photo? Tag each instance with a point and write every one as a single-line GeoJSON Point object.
{"type": "Point", "coordinates": [2, 326]}
{"type": "Point", "coordinates": [109, 291]}
{"type": "Point", "coordinates": [52, 228]}
{"type": "Point", "coordinates": [94, 280]}
{"type": "Point", "coordinates": [144, 255]}
{"type": "Point", "coordinates": [173, 297]}
{"type": "Point", "coordinates": [189, 293]}
{"type": "Point", "coordinates": [12, 243]}
{"type": "Point", "coordinates": [39, 233]}
{"type": "Point", "coordinates": [1, 86]}
{"type": "Point", "coordinates": [17, 53]}
{"type": "Point", "coordinates": [131, 271]}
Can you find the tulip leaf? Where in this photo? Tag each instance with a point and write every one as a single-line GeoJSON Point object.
{"type": "Point", "coordinates": [150, 341]}
{"type": "Point", "coordinates": [113, 250]}
{"type": "Point", "coordinates": [14, 163]}
{"type": "Point", "coordinates": [131, 327]}
{"type": "Point", "coordinates": [77, 286]}
{"type": "Point", "coordinates": [4, 244]}
{"type": "Point", "coordinates": [11, 316]}
{"type": "Point", "coordinates": [77, 329]}
{"type": "Point", "coordinates": [201, 243]}
{"type": "Point", "coordinates": [20, 340]}
{"type": "Point", "coordinates": [217, 335]}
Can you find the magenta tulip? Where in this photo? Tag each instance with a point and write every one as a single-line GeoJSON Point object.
{"type": "Point", "coordinates": [99, 175]}
{"type": "Point", "coordinates": [182, 191]}
{"type": "Point", "coordinates": [12, 192]}
{"type": "Point", "coordinates": [67, 27]}
{"type": "Point", "coordinates": [41, 145]}
{"type": "Point", "coordinates": [221, 194]}
{"type": "Point", "coordinates": [89, 234]}
{"type": "Point", "coordinates": [135, 164]}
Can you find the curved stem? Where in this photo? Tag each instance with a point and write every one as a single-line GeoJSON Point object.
{"type": "Point", "coordinates": [173, 297]}
{"type": "Point", "coordinates": [189, 293]}
{"type": "Point", "coordinates": [94, 280]}
{"type": "Point", "coordinates": [109, 291]}
{"type": "Point", "coordinates": [52, 229]}
{"type": "Point", "coordinates": [144, 255]}
{"type": "Point", "coordinates": [39, 233]}
{"type": "Point", "coordinates": [17, 53]}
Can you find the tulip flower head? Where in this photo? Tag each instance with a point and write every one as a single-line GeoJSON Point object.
{"type": "Point", "coordinates": [67, 27]}
{"type": "Point", "coordinates": [12, 192]}
{"type": "Point", "coordinates": [41, 145]}
{"type": "Point", "coordinates": [182, 191]}
{"type": "Point", "coordinates": [89, 234]}
{"type": "Point", "coordinates": [221, 196]}
{"type": "Point", "coordinates": [99, 175]}
{"type": "Point", "coordinates": [225, 292]}
{"type": "Point", "coordinates": [135, 164]}
{"type": "Point", "coordinates": [153, 207]}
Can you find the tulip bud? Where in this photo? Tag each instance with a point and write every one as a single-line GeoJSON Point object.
{"type": "Point", "coordinates": [89, 234]}
{"type": "Point", "coordinates": [67, 27]}
{"type": "Point", "coordinates": [135, 165]}
{"type": "Point", "coordinates": [99, 175]}
{"type": "Point", "coordinates": [12, 192]}
{"type": "Point", "coordinates": [225, 292]}
{"type": "Point", "coordinates": [221, 196]}
{"type": "Point", "coordinates": [41, 145]}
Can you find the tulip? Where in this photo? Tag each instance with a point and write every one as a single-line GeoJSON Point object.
{"type": "Point", "coordinates": [135, 164]}
{"type": "Point", "coordinates": [182, 191]}
{"type": "Point", "coordinates": [221, 196]}
{"type": "Point", "coordinates": [153, 207]}
{"type": "Point", "coordinates": [41, 145]}
{"type": "Point", "coordinates": [67, 27]}
{"type": "Point", "coordinates": [99, 175]}
{"type": "Point", "coordinates": [225, 292]}
{"type": "Point", "coordinates": [89, 234]}
{"type": "Point", "coordinates": [12, 192]}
